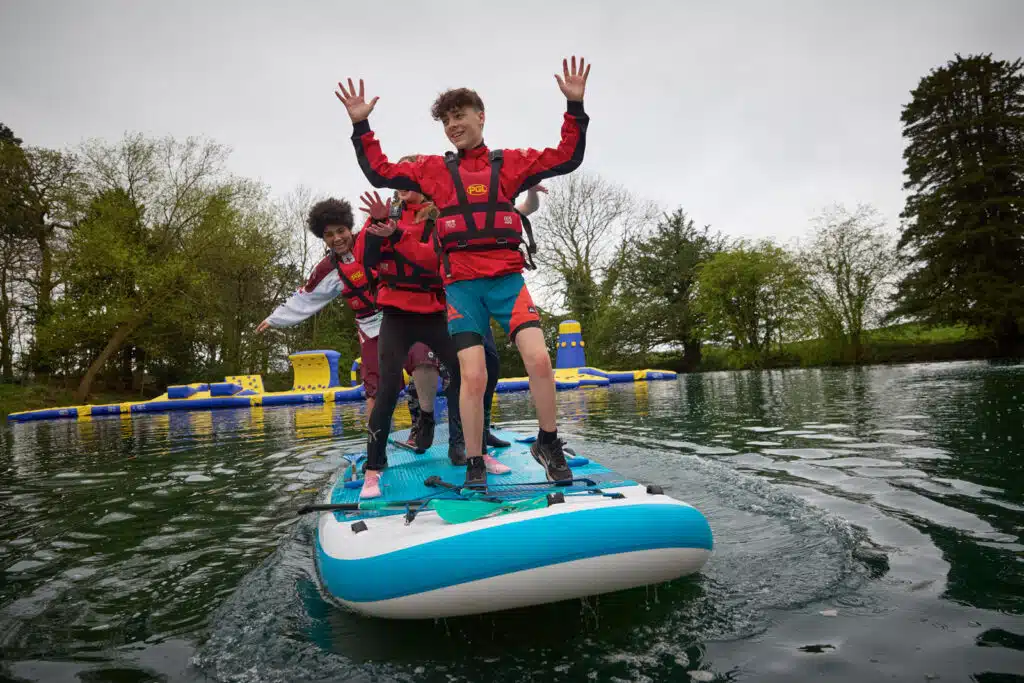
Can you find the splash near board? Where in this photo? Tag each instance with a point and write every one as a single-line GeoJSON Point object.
{"type": "Point", "coordinates": [427, 549]}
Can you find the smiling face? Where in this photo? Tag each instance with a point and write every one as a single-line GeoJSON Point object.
{"type": "Point", "coordinates": [338, 238]}
{"type": "Point", "coordinates": [464, 126]}
{"type": "Point", "coordinates": [461, 112]}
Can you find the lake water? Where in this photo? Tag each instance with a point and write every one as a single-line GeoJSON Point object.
{"type": "Point", "coordinates": [868, 526]}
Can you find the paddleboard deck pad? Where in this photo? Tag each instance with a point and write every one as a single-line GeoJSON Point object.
{"type": "Point", "coordinates": [428, 548]}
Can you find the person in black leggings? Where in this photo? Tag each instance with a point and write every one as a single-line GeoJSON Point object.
{"type": "Point", "coordinates": [396, 243]}
{"type": "Point", "coordinates": [398, 332]}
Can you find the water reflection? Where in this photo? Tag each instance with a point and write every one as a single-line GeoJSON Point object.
{"type": "Point", "coordinates": [317, 420]}
{"type": "Point", "coordinates": [859, 514]}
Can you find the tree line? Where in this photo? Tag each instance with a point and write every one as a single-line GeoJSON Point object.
{"type": "Point", "coordinates": [640, 280]}
{"type": "Point", "coordinates": [144, 260]}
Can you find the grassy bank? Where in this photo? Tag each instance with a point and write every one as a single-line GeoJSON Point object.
{"type": "Point", "coordinates": [911, 343]}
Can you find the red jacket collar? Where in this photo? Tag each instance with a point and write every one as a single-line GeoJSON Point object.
{"type": "Point", "coordinates": [474, 152]}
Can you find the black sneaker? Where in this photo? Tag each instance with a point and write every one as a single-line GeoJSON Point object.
{"type": "Point", "coordinates": [552, 459]}
{"type": "Point", "coordinates": [457, 454]}
{"type": "Point", "coordinates": [494, 442]}
{"type": "Point", "coordinates": [476, 473]}
{"type": "Point", "coordinates": [425, 433]}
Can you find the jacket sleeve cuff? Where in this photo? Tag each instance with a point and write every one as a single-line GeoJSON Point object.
{"type": "Point", "coordinates": [360, 128]}
{"type": "Point", "coordinates": [571, 107]}
{"type": "Point", "coordinates": [396, 236]}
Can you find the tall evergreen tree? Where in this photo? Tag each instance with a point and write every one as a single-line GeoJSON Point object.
{"type": "Point", "coordinates": [964, 232]}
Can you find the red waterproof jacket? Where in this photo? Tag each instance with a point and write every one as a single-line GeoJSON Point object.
{"type": "Point", "coordinates": [478, 232]}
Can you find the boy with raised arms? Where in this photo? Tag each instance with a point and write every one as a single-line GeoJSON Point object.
{"type": "Point", "coordinates": [478, 234]}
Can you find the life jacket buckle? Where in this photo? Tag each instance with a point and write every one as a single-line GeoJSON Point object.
{"type": "Point", "coordinates": [461, 244]}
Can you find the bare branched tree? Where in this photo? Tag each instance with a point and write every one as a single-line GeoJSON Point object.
{"type": "Point", "coordinates": [581, 230]}
{"type": "Point", "coordinates": [304, 249]}
{"type": "Point", "coordinates": [851, 265]}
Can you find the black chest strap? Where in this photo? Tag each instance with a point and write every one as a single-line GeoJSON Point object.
{"type": "Point", "coordinates": [418, 279]}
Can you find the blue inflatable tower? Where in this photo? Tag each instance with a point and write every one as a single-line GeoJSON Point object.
{"type": "Point", "coordinates": [570, 346]}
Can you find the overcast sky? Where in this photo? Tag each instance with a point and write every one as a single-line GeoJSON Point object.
{"type": "Point", "coordinates": [750, 115]}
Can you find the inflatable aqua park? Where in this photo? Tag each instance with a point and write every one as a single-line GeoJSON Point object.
{"type": "Point", "coordinates": [571, 370]}
{"type": "Point", "coordinates": [523, 541]}
{"type": "Point", "coordinates": [316, 380]}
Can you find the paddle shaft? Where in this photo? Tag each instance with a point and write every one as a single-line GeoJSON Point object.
{"type": "Point", "coordinates": [365, 505]}
{"type": "Point", "coordinates": [435, 480]}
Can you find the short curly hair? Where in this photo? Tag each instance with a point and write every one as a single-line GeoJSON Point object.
{"type": "Point", "coordinates": [451, 100]}
{"type": "Point", "coordinates": [329, 212]}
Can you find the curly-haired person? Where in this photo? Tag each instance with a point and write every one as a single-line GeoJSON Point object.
{"type": "Point", "coordinates": [338, 273]}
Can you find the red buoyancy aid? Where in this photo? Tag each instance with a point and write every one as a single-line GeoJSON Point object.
{"type": "Point", "coordinates": [484, 220]}
{"type": "Point", "coordinates": [408, 269]}
{"type": "Point", "coordinates": [359, 288]}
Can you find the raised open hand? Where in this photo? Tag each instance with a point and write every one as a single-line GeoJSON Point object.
{"type": "Point", "coordinates": [375, 206]}
{"type": "Point", "coordinates": [382, 229]}
{"type": "Point", "coordinates": [572, 83]}
{"type": "Point", "coordinates": [358, 108]}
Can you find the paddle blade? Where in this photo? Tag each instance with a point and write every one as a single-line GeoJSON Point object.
{"type": "Point", "coordinates": [461, 511]}
{"type": "Point", "coordinates": [530, 504]}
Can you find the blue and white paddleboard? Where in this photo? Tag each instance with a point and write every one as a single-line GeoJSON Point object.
{"type": "Point", "coordinates": [539, 543]}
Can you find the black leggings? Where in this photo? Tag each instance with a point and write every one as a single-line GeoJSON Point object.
{"type": "Point", "coordinates": [398, 332]}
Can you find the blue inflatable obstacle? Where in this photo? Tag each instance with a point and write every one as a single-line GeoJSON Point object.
{"type": "Point", "coordinates": [572, 371]}
{"type": "Point", "coordinates": [315, 380]}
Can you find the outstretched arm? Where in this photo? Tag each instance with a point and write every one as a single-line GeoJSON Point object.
{"type": "Point", "coordinates": [531, 166]}
{"type": "Point", "coordinates": [532, 201]}
{"type": "Point", "coordinates": [322, 288]}
{"type": "Point", "coordinates": [374, 163]}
